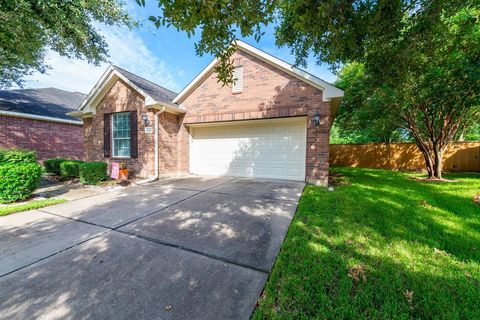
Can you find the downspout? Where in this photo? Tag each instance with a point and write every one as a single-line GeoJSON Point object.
{"type": "Point", "coordinates": [155, 130]}
{"type": "Point", "coordinates": [156, 141]}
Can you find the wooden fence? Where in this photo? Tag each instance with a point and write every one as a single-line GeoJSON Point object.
{"type": "Point", "coordinates": [460, 156]}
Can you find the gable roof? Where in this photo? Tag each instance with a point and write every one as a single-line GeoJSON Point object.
{"type": "Point", "coordinates": [47, 103]}
{"type": "Point", "coordinates": [329, 90]}
{"type": "Point", "coordinates": [155, 91]}
{"type": "Point", "coordinates": [155, 95]}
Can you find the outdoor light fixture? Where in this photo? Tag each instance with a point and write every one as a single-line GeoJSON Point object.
{"type": "Point", "coordinates": [317, 119]}
{"type": "Point", "coordinates": [145, 120]}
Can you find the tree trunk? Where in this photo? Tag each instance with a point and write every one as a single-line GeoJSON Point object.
{"type": "Point", "coordinates": [438, 164]}
{"type": "Point", "coordinates": [429, 163]}
{"type": "Point", "coordinates": [433, 162]}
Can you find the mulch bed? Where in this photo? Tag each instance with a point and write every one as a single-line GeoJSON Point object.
{"type": "Point", "coordinates": [336, 179]}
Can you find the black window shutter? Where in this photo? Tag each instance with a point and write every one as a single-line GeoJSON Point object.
{"type": "Point", "coordinates": [107, 131]}
{"type": "Point", "coordinates": [133, 134]}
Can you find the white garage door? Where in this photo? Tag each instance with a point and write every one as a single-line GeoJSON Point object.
{"type": "Point", "coordinates": [260, 149]}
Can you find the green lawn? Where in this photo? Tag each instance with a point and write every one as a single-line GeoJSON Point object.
{"type": "Point", "coordinates": [382, 246]}
{"type": "Point", "coordinates": [35, 204]}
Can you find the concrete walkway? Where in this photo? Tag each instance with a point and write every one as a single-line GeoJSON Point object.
{"type": "Point", "coordinates": [187, 248]}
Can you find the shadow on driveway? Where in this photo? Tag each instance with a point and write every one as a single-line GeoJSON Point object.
{"type": "Point", "coordinates": [115, 276]}
{"type": "Point", "coordinates": [168, 250]}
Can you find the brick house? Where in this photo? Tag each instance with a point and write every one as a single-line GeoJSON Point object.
{"type": "Point", "coordinates": [36, 119]}
{"type": "Point", "coordinates": [273, 122]}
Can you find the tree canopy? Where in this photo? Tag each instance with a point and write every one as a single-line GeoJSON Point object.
{"type": "Point", "coordinates": [430, 91]}
{"type": "Point", "coordinates": [29, 28]}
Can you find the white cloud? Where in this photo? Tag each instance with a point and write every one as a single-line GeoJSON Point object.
{"type": "Point", "coordinates": [126, 49]}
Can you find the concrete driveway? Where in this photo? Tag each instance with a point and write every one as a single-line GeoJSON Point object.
{"type": "Point", "coordinates": [187, 248]}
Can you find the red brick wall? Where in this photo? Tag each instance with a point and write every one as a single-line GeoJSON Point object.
{"type": "Point", "coordinates": [123, 98]}
{"type": "Point", "coordinates": [48, 139]}
{"type": "Point", "coordinates": [168, 127]}
{"type": "Point", "coordinates": [120, 98]}
{"type": "Point", "coordinates": [267, 93]}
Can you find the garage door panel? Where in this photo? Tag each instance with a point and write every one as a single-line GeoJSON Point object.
{"type": "Point", "coordinates": [280, 129]}
{"type": "Point", "coordinates": [267, 149]}
{"type": "Point", "coordinates": [295, 158]}
{"type": "Point", "coordinates": [262, 131]}
{"type": "Point", "coordinates": [299, 129]}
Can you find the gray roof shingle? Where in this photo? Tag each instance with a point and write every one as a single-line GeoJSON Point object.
{"type": "Point", "coordinates": [47, 102]}
{"type": "Point", "coordinates": [155, 91]}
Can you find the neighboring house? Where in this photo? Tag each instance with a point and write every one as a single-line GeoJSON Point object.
{"type": "Point", "coordinates": [36, 119]}
{"type": "Point", "coordinates": [273, 122]}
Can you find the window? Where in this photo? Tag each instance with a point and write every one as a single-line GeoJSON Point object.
{"type": "Point", "coordinates": [121, 134]}
{"type": "Point", "coordinates": [237, 86]}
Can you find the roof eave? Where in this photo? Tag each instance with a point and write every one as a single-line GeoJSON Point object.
{"type": "Point", "coordinates": [166, 106]}
{"type": "Point", "coordinates": [192, 85]}
{"type": "Point", "coordinates": [80, 114]}
{"type": "Point", "coordinates": [329, 90]}
{"type": "Point", "coordinates": [96, 89]}
{"type": "Point", "coordinates": [39, 117]}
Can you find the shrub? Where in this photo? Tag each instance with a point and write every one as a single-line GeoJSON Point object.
{"type": "Point", "coordinates": [70, 169]}
{"type": "Point", "coordinates": [93, 172]}
{"type": "Point", "coordinates": [53, 165]}
{"type": "Point", "coordinates": [18, 156]}
{"type": "Point", "coordinates": [18, 180]}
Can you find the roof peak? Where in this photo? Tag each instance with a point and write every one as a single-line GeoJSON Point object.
{"type": "Point", "coordinates": [125, 70]}
{"type": "Point", "coordinates": [329, 90]}
{"type": "Point", "coordinates": [243, 43]}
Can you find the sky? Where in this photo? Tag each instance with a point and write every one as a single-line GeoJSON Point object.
{"type": "Point", "coordinates": [164, 56]}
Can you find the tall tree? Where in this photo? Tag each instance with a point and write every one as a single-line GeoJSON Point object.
{"type": "Point", "coordinates": [421, 61]}
{"type": "Point", "coordinates": [29, 28]}
{"type": "Point", "coordinates": [435, 97]}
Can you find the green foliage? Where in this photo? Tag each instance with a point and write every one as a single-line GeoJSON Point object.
{"type": "Point", "coordinates": [431, 89]}
{"type": "Point", "coordinates": [220, 22]}
{"type": "Point", "coordinates": [18, 156]}
{"type": "Point", "coordinates": [472, 133]}
{"type": "Point", "coordinates": [18, 180]}
{"type": "Point", "coordinates": [35, 204]}
{"type": "Point", "coordinates": [70, 169]}
{"type": "Point", "coordinates": [53, 165]}
{"type": "Point", "coordinates": [354, 253]}
{"type": "Point", "coordinates": [29, 28]}
{"type": "Point", "coordinates": [93, 172]}
{"type": "Point", "coordinates": [362, 116]}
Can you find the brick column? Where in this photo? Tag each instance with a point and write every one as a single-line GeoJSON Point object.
{"type": "Point", "coordinates": [318, 145]}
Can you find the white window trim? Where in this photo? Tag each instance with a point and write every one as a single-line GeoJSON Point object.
{"type": "Point", "coordinates": [113, 139]}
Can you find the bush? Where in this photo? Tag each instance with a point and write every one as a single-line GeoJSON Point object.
{"type": "Point", "coordinates": [70, 169]}
{"type": "Point", "coordinates": [93, 172]}
{"type": "Point", "coordinates": [53, 165]}
{"type": "Point", "coordinates": [18, 180]}
{"type": "Point", "coordinates": [18, 156]}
